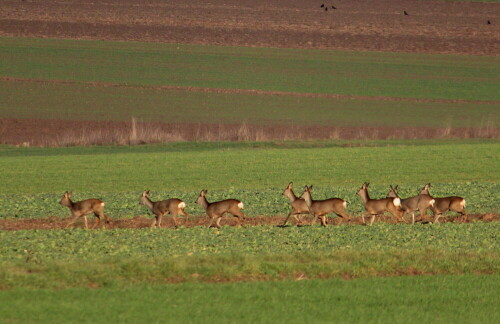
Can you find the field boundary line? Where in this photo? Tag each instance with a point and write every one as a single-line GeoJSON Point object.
{"type": "Point", "coordinates": [248, 91]}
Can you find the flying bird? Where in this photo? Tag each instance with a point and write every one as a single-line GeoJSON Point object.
{"type": "Point", "coordinates": [333, 7]}
{"type": "Point", "coordinates": [322, 5]}
{"type": "Point", "coordinates": [406, 14]}
{"type": "Point", "coordinates": [488, 22]}
{"type": "Point", "coordinates": [326, 8]}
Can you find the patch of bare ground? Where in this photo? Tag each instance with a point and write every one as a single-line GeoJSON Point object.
{"type": "Point", "coordinates": [141, 221]}
{"type": "Point", "coordinates": [429, 27]}
{"type": "Point", "coordinates": [53, 133]}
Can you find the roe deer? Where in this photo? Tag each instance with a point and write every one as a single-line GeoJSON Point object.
{"type": "Point", "coordinates": [421, 202]}
{"type": "Point", "coordinates": [376, 207]}
{"type": "Point", "coordinates": [299, 206]}
{"type": "Point", "coordinates": [83, 208]}
{"type": "Point", "coordinates": [320, 208]}
{"type": "Point", "coordinates": [171, 206]}
{"type": "Point", "coordinates": [216, 209]}
{"type": "Point", "coordinates": [442, 205]}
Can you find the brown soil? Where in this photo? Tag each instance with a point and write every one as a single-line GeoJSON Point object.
{"type": "Point", "coordinates": [430, 27]}
{"type": "Point", "coordinates": [54, 222]}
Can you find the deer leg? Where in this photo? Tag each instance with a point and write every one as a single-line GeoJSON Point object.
{"type": "Point", "coordinates": [187, 217]}
{"type": "Point", "coordinates": [97, 222]}
{"type": "Point", "coordinates": [72, 220]}
{"type": "Point", "coordinates": [175, 221]}
{"type": "Point", "coordinates": [218, 222]}
{"type": "Point", "coordinates": [153, 224]}
{"type": "Point", "coordinates": [436, 218]}
{"type": "Point", "coordinates": [372, 220]}
{"type": "Point", "coordinates": [288, 216]}
{"type": "Point", "coordinates": [323, 220]}
{"type": "Point", "coordinates": [241, 216]}
{"type": "Point", "coordinates": [85, 219]}
{"type": "Point", "coordinates": [314, 219]}
{"type": "Point", "coordinates": [363, 216]}
{"type": "Point", "coordinates": [413, 217]}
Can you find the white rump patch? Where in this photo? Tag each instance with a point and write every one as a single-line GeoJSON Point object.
{"type": "Point", "coordinates": [345, 204]}
{"type": "Point", "coordinates": [102, 204]}
{"type": "Point", "coordinates": [463, 203]}
{"type": "Point", "coordinates": [240, 205]}
{"type": "Point", "coordinates": [396, 202]}
{"type": "Point", "coordinates": [432, 202]}
{"type": "Point", "coordinates": [182, 204]}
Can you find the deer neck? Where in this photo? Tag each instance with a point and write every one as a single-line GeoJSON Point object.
{"type": "Point", "coordinates": [68, 203]}
{"type": "Point", "coordinates": [364, 196]}
{"type": "Point", "coordinates": [424, 192]}
{"type": "Point", "coordinates": [291, 195]}
{"type": "Point", "coordinates": [148, 203]}
{"type": "Point", "coordinates": [308, 199]}
{"type": "Point", "coordinates": [204, 202]}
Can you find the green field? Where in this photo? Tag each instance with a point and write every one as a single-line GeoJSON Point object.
{"type": "Point", "coordinates": [35, 178]}
{"type": "Point", "coordinates": [436, 299]}
{"type": "Point", "coordinates": [135, 70]}
{"type": "Point", "coordinates": [435, 273]}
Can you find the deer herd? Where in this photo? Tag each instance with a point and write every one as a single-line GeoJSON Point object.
{"type": "Point", "coordinates": [303, 205]}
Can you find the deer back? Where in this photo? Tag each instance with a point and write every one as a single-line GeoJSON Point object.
{"type": "Point", "coordinates": [87, 206]}
{"type": "Point", "coordinates": [172, 205]}
{"type": "Point", "coordinates": [228, 205]}
{"type": "Point", "coordinates": [449, 203]}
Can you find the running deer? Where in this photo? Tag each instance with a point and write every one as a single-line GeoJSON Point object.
{"type": "Point", "coordinates": [216, 209]}
{"type": "Point", "coordinates": [376, 207]}
{"type": "Point", "coordinates": [171, 206]}
{"type": "Point", "coordinates": [299, 206]}
{"type": "Point", "coordinates": [410, 205]}
{"type": "Point", "coordinates": [442, 205]}
{"type": "Point", "coordinates": [320, 208]}
{"type": "Point", "coordinates": [83, 208]}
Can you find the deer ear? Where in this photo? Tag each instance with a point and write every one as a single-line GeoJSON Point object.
{"type": "Point", "coordinates": [68, 194]}
{"type": "Point", "coordinates": [396, 187]}
{"type": "Point", "coordinates": [290, 185]}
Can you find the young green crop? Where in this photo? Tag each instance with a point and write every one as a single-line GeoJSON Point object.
{"type": "Point", "coordinates": [417, 299]}
{"type": "Point", "coordinates": [294, 70]}
{"type": "Point", "coordinates": [34, 179]}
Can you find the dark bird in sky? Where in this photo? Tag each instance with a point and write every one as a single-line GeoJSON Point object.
{"type": "Point", "coordinates": [326, 8]}
{"type": "Point", "coordinates": [322, 5]}
{"type": "Point", "coordinates": [406, 14]}
{"type": "Point", "coordinates": [488, 22]}
{"type": "Point", "coordinates": [333, 7]}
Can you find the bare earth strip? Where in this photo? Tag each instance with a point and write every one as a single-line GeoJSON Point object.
{"type": "Point", "coordinates": [145, 222]}
{"type": "Point", "coordinates": [53, 132]}
{"type": "Point", "coordinates": [430, 27]}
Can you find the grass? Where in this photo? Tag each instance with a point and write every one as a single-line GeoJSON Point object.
{"type": "Point", "coordinates": [34, 178]}
{"type": "Point", "coordinates": [91, 102]}
{"type": "Point", "coordinates": [437, 299]}
{"type": "Point", "coordinates": [294, 70]}
{"type": "Point", "coordinates": [66, 245]}
{"type": "Point", "coordinates": [244, 167]}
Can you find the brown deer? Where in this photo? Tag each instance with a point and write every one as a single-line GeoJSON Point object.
{"type": "Point", "coordinates": [376, 207]}
{"type": "Point", "coordinates": [320, 208]}
{"type": "Point", "coordinates": [216, 209]}
{"type": "Point", "coordinates": [421, 202]}
{"type": "Point", "coordinates": [299, 206]}
{"type": "Point", "coordinates": [171, 206]}
{"type": "Point", "coordinates": [83, 208]}
{"type": "Point", "coordinates": [442, 205]}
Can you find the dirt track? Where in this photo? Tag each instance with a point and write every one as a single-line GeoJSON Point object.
{"type": "Point", "coordinates": [430, 27]}
{"type": "Point", "coordinates": [144, 222]}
